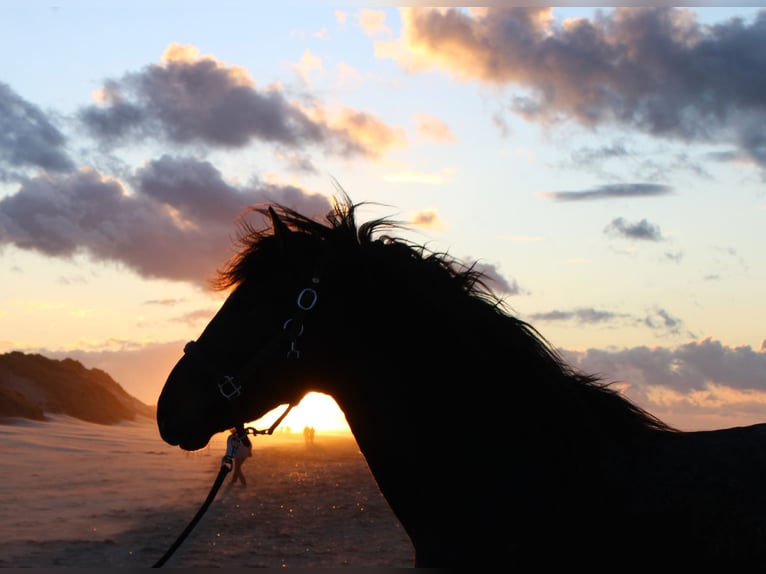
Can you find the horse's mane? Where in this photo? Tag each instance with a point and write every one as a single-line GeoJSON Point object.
{"type": "Point", "coordinates": [340, 229]}
{"type": "Point", "coordinates": [341, 226]}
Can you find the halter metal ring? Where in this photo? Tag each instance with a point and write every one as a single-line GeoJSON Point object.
{"type": "Point", "coordinates": [312, 296]}
{"type": "Point", "coordinates": [287, 324]}
{"type": "Point", "coordinates": [229, 387]}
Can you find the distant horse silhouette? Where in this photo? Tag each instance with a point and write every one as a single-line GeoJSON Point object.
{"type": "Point", "coordinates": [421, 356]}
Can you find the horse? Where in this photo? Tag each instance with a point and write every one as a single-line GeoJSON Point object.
{"type": "Point", "coordinates": [486, 444]}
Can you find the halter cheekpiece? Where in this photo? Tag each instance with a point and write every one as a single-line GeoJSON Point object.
{"type": "Point", "coordinates": [228, 385]}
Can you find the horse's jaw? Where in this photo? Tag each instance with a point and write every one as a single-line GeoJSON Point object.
{"type": "Point", "coordinates": [185, 440]}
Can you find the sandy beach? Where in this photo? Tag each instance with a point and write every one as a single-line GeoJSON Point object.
{"type": "Point", "coordinates": [76, 494]}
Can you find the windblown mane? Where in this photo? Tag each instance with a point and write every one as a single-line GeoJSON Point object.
{"type": "Point", "coordinates": [471, 288]}
{"type": "Point", "coordinates": [341, 225]}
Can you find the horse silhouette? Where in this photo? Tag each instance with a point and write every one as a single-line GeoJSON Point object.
{"type": "Point", "coordinates": [488, 447]}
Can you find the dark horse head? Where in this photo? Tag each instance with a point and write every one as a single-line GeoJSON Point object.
{"type": "Point", "coordinates": [263, 348]}
{"type": "Point", "coordinates": [487, 446]}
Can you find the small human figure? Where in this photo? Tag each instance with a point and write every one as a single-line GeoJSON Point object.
{"type": "Point", "coordinates": [308, 435]}
{"type": "Point", "coordinates": [242, 449]}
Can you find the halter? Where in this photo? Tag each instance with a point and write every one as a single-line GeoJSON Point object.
{"type": "Point", "coordinates": [230, 387]}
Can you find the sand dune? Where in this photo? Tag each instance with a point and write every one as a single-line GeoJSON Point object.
{"type": "Point", "coordinates": [31, 386]}
{"type": "Point", "coordinates": [76, 494]}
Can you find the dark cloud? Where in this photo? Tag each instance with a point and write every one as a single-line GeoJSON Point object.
{"type": "Point", "coordinates": [609, 191]}
{"type": "Point", "coordinates": [189, 99]}
{"type": "Point", "coordinates": [655, 69]}
{"type": "Point", "coordinates": [688, 367]}
{"type": "Point", "coordinates": [664, 323]}
{"type": "Point", "coordinates": [582, 315]}
{"type": "Point", "coordinates": [197, 99]}
{"type": "Point", "coordinates": [642, 230]}
{"type": "Point", "coordinates": [194, 188]}
{"type": "Point", "coordinates": [495, 280]}
{"type": "Point", "coordinates": [174, 216]}
{"type": "Point", "coordinates": [658, 320]}
{"type": "Point", "coordinates": [116, 119]}
{"type": "Point", "coordinates": [589, 155]}
{"type": "Point", "coordinates": [674, 256]}
{"type": "Point", "coordinates": [27, 136]}
{"type": "Point", "coordinates": [177, 224]}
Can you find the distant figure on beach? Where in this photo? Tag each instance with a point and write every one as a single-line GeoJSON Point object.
{"type": "Point", "coordinates": [308, 435]}
{"type": "Point", "coordinates": [241, 449]}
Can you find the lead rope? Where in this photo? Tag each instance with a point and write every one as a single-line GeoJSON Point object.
{"type": "Point", "coordinates": [292, 329]}
{"type": "Point", "coordinates": [226, 465]}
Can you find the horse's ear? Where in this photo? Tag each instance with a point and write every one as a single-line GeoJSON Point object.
{"type": "Point", "coordinates": [280, 229]}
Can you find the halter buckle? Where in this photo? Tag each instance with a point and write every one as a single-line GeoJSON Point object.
{"type": "Point", "coordinates": [229, 387]}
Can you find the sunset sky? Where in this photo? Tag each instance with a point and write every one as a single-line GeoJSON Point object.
{"type": "Point", "coordinates": [605, 166]}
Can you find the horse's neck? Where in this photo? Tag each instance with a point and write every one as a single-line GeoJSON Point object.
{"type": "Point", "coordinates": [410, 398]}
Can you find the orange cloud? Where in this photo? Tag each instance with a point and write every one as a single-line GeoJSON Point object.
{"type": "Point", "coordinates": [194, 98]}
{"type": "Point", "coordinates": [432, 128]}
{"type": "Point", "coordinates": [460, 43]}
{"type": "Point", "coordinates": [428, 218]}
{"type": "Point", "coordinates": [348, 76]}
{"type": "Point", "coordinates": [309, 64]}
{"type": "Point", "coordinates": [657, 69]}
{"type": "Point", "coordinates": [186, 54]}
{"type": "Point", "coordinates": [373, 22]}
{"type": "Point", "coordinates": [371, 134]}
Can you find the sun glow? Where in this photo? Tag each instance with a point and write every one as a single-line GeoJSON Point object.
{"type": "Point", "coordinates": [316, 410]}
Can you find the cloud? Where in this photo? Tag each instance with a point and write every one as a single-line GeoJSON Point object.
{"type": "Point", "coordinates": [176, 224]}
{"type": "Point", "coordinates": [362, 133]}
{"type": "Point", "coordinates": [193, 99]}
{"type": "Point", "coordinates": [196, 318]}
{"type": "Point", "coordinates": [428, 218]}
{"type": "Point", "coordinates": [642, 230]}
{"type": "Point", "coordinates": [657, 320]}
{"type": "Point", "coordinates": [190, 98]}
{"type": "Point", "coordinates": [583, 315]}
{"type": "Point", "coordinates": [609, 191]}
{"type": "Point", "coordinates": [661, 321]}
{"type": "Point", "coordinates": [172, 217]}
{"type": "Point", "coordinates": [309, 63]}
{"type": "Point", "coordinates": [590, 155]}
{"type": "Point", "coordinates": [654, 69]}
{"type": "Point", "coordinates": [433, 129]}
{"type": "Point", "coordinates": [348, 76]}
{"type": "Point", "coordinates": [691, 366]}
{"type": "Point", "coordinates": [164, 302]}
{"type": "Point", "coordinates": [494, 279]}
{"type": "Point", "coordinates": [27, 136]}
{"type": "Point", "coordinates": [194, 189]}
{"type": "Point", "coordinates": [698, 385]}
{"type": "Point", "coordinates": [373, 22]}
